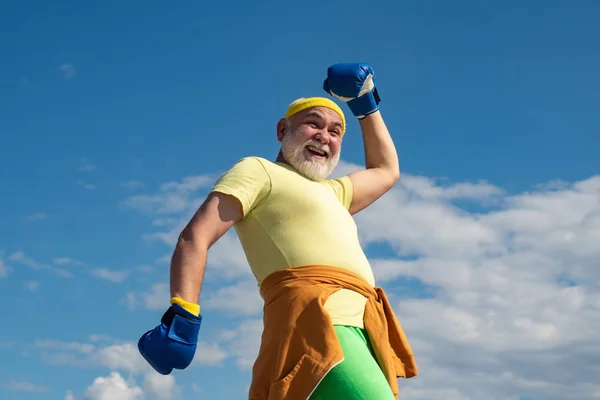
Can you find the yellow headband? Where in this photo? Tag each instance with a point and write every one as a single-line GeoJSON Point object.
{"type": "Point", "coordinates": [304, 103]}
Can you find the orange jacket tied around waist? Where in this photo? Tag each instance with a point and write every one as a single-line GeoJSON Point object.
{"type": "Point", "coordinates": [299, 344]}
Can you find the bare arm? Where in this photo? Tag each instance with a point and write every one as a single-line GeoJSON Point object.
{"type": "Point", "coordinates": [214, 218]}
{"type": "Point", "coordinates": [381, 161]}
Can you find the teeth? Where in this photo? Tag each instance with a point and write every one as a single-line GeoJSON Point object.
{"type": "Point", "coordinates": [313, 148]}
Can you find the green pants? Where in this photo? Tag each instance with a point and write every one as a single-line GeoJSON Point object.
{"type": "Point", "coordinates": [358, 377]}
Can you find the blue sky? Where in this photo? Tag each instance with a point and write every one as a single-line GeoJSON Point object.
{"type": "Point", "coordinates": [492, 106]}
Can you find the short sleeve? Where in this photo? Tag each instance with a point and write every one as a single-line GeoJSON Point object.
{"type": "Point", "coordinates": [247, 180]}
{"type": "Point", "coordinates": [342, 187]}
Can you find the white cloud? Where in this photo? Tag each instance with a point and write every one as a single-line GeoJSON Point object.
{"type": "Point", "coordinates": [85, 185]}
{"type": "Point", "coordinates": [114, 387]}
{"type": "Point", "coordinates": [157, 298]}
{"type": "Point", "coordinates": [20, 257]}
{"type": "Point", "coordinates": [171, 198]}
{"type": "Point", "coordinates": [164, 221]}
{"type": "Point", "coordinates": [516, 291]}
{"type": "Point", "coordinates": [63, 273]}
{"type": "Point", "coordinates": [23, 259]}
{"type": "Point", "coordinates": [227, 259]}
{"type": "Point", "coordinates": [130, 301]}
{"type": "Point", "coordinates": [68, 70]}
{"type": "Point", "coordinates": [210, 353]}
{"type": "Point", "coordinates": [110, 275]}
{"type": "Point", "coordinates": [24, 386]}
{"type": "Point", "coordinates": [428, 188]}
{"type": "Point", "coordinates": [196, 388]}
{"type": "Point", "coordinates": [159, 387]}
{"type": "Point", "coordinates": [121, 357]}
{"type": "Point", "coordinates": [243, 299]}
{"type": "Point", "coordinates": [67, 261]}
{"type": "Point", "coordinates": [117, 357]}
{"type": "Point", "coordinates": [172, 206]}
{"type": "Point", "coordinates": [145, 269]}
{"type": "Point", "coordinates": [166, 259]}
{"type": "Point", "coordinates": [32, 286]}
{"type": "Point", "coordinates": [512, 279]}
{"type": "Point", "coordinates": [111, 387]}
{"type": "Point", "coordinates": [133, 184]}
{"type": "Point", "coordinates": [243, 342]}
{"type": "Point", "coordinates": [188, 184]}
{"type": "Point", "coordinates": [59, 352]}
{"type": "Point", "coordinates": [107, 339]}
{"type": "Point", "coordinates": [162, 204]}
{"type": "Point", "coordinates": [4, 269]}
{"type": "Point", "coordinates": [38, 216]}
{"type": "Point", "coordinates": [86, 165]}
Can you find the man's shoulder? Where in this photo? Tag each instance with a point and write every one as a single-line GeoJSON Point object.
{"type": "Point", "coordinates": [251, 159]}
{"type": "Point", "coordinates": [255, 161]}
{"type": "Point", "coordinates": [248, 180]}
{"type": "Point", "coordinates": [249, 163]}
{"type": "Point", "coordinates": [258, 162]}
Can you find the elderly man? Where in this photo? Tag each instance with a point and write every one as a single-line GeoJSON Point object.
{"type": "Point", "coordinates": [329, 332]}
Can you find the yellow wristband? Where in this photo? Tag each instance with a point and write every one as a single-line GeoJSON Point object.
{"type": "Point", "coordinates": [192, 308]}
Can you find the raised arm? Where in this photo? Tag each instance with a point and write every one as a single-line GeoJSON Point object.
{"type": "Point", "coordinates": [354, 83]}
{"type": "Point", "coordinates": [382, 168]}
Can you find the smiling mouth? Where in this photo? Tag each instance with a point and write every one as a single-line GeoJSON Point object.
{"type": "Point", "coordinates": [317, 152]}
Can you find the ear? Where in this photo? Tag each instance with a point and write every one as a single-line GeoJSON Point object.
{"type": "Point", "coordinates": [281, 127]}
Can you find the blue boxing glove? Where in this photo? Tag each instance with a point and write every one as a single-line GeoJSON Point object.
{"type": "Point", "coordinates": [354, 84]}
{"type": "Point", "coordinates": [172, 344]}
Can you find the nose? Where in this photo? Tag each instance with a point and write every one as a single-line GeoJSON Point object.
{"type": "Point", "coordinates": [323, 137]}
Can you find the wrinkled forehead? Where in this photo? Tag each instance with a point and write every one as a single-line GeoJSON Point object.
{"type": "Point", "coordinates": [323, 113]}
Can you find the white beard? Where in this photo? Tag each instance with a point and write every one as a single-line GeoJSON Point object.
{"type": "Point", "coordinates": [313, 169]}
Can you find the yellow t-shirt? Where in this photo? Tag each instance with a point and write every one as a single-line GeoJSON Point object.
{"type": "Point", "coordinates": [293, 221]}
